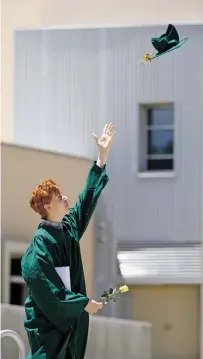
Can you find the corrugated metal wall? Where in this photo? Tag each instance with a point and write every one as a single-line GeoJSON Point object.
{"type": "Point", "coordinates": [57, 90]}
{"type": "Point", "coordinates": [68, 83]}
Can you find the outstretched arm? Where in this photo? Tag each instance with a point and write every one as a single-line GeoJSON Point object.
{"type": "Point", "coordinates": [81, 213]}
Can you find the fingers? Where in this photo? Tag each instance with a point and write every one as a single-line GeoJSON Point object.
{"type": "Point", "coordinates": [95, 137]}
{"type": "Point", "coordinates": [96, 310]}
{"type": "Point", "coordinates": [105, 129]}
{"type": "Point", "coordinates": [100, 305]}
{"type": "Point", "coordinates": [113, 135]}
{"type": "Point", "coordinates": [109, 130]}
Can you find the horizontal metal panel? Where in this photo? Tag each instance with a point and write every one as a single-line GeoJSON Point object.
{"type": "Point", "coordinates": [162, 263]}
{"type": "Point", "coordinates": [134, 245]}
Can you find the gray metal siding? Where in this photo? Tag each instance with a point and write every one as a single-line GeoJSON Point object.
{"type": "Point", "coordinates": [156, 209]}
{"type": "Point", "coordinates": [68, 83]}
{"type": "Point", "coordinates": [57, 90]}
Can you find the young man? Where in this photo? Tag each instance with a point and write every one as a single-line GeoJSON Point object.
{"type": "Point", "coordinates": [57, 308]}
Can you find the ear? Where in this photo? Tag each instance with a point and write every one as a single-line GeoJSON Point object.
{"type": "Point", "coordinates": [47, 207]}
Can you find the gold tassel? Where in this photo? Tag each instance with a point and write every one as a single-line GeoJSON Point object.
{"type": "Point", "coordinates": [146, 58]}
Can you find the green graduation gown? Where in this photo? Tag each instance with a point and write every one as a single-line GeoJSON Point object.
{"type": "Point", "coordinates": [55, 320]}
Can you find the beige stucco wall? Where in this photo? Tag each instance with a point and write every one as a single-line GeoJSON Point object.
{"type": "Point", "coordinates": [174, 312]}
{"type": "Point", "coordinates": [42, 13]}
{"type": "Point", "coordinates": [21, 170]}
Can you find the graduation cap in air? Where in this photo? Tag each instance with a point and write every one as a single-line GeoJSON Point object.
{"type": "Point", "coordinates": [165, 43]}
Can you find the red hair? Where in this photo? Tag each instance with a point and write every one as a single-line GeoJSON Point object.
{"type": "Point", "coordinates": [42, 194]}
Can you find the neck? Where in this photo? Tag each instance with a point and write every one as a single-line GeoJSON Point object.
{"type": "Point", "coordinates": [53, 219]}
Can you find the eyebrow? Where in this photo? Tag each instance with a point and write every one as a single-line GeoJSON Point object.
{"type": "Point", "coordinates": [58, 196]}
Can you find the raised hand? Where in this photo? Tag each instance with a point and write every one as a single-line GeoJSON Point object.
{"type": "Point", "coordinates": [104, 142]}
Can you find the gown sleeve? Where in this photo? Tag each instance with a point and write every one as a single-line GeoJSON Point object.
{"type": "Point", "coordinates": [81, 213]}
{"type": "Point", "coordinates": [61, 306]}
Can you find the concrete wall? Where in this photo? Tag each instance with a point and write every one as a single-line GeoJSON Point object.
{"type": "Point", "coordinates": [37, 13]}
{"type": "Point", "coordinates": [108, 338]}
{"type": "Point", "coordinates": [21, 170]}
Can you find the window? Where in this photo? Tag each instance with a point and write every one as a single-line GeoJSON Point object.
{"type": "Point", "coordinates": [156, 138]}
{"type": "Point", "coordinates": [18, 290]}
{"type": "Point", "coordinates": [14, 287]}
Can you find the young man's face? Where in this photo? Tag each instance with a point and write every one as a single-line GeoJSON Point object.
{"type": "Point", "coordinates": [57, 208]}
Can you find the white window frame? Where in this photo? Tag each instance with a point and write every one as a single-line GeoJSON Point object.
{"type": "Point", "coordinates": [10, 250]}
{"type": "Point", "coordinates": [143, 145]}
